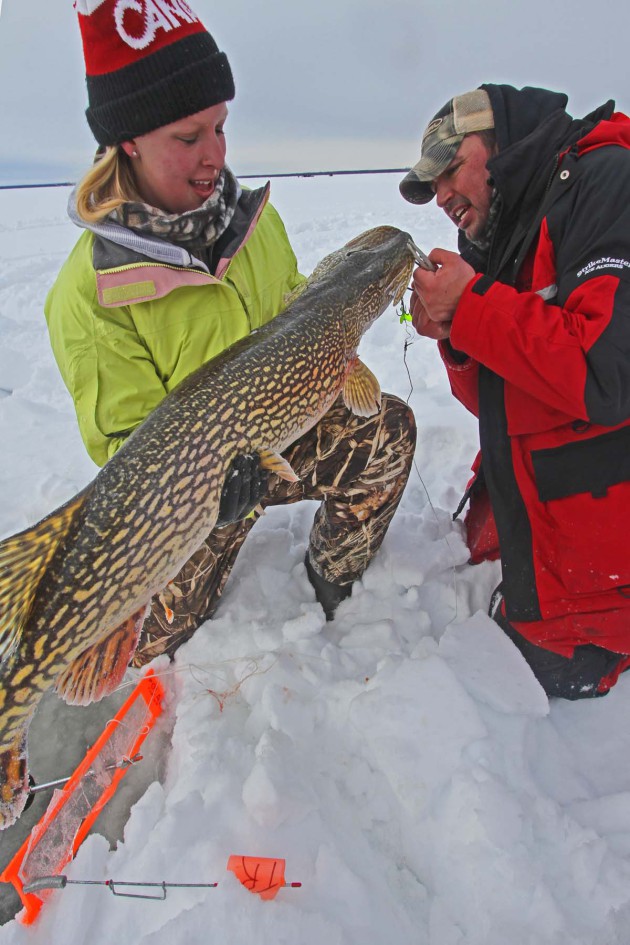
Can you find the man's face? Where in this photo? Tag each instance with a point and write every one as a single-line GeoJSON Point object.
{"type": "Point", "coordinates": [462, 190]}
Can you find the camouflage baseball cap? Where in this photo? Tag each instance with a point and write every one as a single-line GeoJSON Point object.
{"type": "Point", "coordinates": [442, 137]}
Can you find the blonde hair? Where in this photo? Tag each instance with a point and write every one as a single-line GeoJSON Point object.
{"type": "Point", "coordinates": [107, 185]}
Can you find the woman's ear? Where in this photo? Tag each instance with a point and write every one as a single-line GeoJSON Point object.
{"type": "Point", "coordinates": [130, 149]}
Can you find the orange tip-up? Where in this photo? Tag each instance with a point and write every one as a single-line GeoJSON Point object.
{"type": "Point", "coordinates": [260, 874]}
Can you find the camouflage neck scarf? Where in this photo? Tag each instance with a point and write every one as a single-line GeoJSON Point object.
{"type": "Point", "coordinates": [201, 227]}
{"type": "Point", "coordinates": [483, 241]}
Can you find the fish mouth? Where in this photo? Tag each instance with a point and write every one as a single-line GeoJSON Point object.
{"type": "Point", "coordinates": [398, 282]}
{"type": "Point", "coordinates": [421, 258]}
{"type": "Point", "coordinates": [405, 255]}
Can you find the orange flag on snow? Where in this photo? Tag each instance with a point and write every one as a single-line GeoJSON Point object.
{"type": "Point", "coordinates": [260, 874]}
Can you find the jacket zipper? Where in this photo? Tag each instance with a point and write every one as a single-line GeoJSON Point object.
{"type": "Point", "coordinates": [159, 265]}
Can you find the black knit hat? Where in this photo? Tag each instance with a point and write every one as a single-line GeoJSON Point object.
{"type": "Point", "coordinates": [149, 67]}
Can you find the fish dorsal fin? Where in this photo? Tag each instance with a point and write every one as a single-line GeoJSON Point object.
{"type": "Point", "coordinates": [361, 391]}
{"type": "Point", "coordinates": [23, 559]}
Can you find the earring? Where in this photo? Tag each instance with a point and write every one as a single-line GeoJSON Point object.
{"type": "Point", "coordinates": [134, 154]}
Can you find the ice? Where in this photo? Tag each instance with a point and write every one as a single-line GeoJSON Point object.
{"type": "Point", "coordinates": [402, 758]}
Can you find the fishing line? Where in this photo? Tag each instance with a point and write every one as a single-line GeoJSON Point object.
{"type": "Point", "coordinates": [405, 318]}
{"type": "Point", "coordinates": [287, 174]}
{"type": "Point", "coordinates": [212, 670]}
{"type": "Point", "coordinates": [407, 344]}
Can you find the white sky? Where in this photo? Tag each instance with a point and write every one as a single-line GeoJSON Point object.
{"type": "Point", "coordinates": [337, 84]}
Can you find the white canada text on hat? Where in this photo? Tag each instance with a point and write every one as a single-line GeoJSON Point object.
{"type": "Point", "coordinates": [158, 14]}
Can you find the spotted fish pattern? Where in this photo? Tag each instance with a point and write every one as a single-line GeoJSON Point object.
{"type": "Point", "coordinates": [82, 578]}
{"type": "Point", "coordinates": [356, 467]}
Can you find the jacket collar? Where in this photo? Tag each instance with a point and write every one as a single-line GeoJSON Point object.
{"type": "Point", "coordinates": [609, 128]}
{"type": "Point", "coordinates": [116, 245]}
{"type": "Point", "coordinates": [530, 146]}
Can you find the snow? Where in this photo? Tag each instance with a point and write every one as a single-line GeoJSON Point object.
{"type": "Point", "coordinates": [402, 759]}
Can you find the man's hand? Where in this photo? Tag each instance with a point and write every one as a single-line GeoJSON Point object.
{"type": "Point", "coordinates": [245, 485]}
{"type": "Point", "coordinates": [421, 321]}
{"type": "Point", "coordinates": [436, 295]}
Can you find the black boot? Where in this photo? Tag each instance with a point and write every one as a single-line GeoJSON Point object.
{"type": "Point", "coordinates": [328, 594]}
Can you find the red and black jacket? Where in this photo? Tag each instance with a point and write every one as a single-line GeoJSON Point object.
{"type": "Point", "coordinates": [546, 331]}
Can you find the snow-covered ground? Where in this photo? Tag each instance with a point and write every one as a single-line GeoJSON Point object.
{"type": "Point", "coordinates": [402, 759]}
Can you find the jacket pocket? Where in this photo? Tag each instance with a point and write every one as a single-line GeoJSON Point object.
{"type": "Point", "coordinates": [584, 525]}
{"type": "Point", "coordinates": [592, 465]}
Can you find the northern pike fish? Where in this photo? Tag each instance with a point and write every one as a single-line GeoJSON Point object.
{"type": "Point", "coordinates": [75, 588]}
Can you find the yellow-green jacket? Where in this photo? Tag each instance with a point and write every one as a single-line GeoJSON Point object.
{"type": "Point", "coordinates": [130, 317]}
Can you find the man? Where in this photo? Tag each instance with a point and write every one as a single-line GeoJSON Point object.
{"type": "Point", "coordinates": [532, 319]}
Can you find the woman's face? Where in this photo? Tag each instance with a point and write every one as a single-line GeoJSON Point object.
{"type": "Point", "coordinates": [176, 166]}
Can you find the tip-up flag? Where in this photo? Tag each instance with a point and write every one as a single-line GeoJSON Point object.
{"type": "Point", "coordinates": [56, 838]}
{"type": "Point", "coordinates": [260, 874]}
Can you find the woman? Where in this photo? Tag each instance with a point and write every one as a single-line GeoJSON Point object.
{"type": "Point", "coordinates": [176, 263]}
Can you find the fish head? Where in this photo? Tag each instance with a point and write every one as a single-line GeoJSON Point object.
{"type": "Point", "coordinates": [372, 272]}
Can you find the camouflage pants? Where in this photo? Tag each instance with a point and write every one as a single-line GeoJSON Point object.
{"type": "Point", "coordinates": [356, 467]}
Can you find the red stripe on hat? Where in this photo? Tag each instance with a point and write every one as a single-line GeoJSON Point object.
{"type": "Point", "coordinates": [120, 32]}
